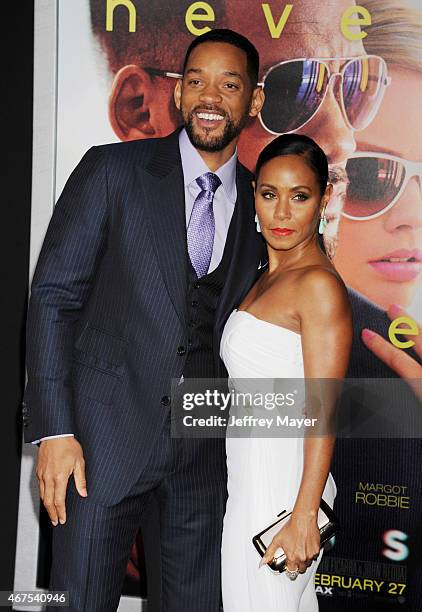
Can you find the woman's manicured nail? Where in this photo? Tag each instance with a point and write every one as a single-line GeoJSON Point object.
{"type": "Point", "coordinates": [395, 310]}
{"type": "Point", "coordinates": [368, 334]}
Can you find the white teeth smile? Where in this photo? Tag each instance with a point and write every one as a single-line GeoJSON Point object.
{"type": "Point", "coordinates": [210, 116]}
{"type": "Point", "coordinates": [398, 259]}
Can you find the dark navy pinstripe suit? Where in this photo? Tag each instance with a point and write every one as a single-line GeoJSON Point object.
{"type": "Point", "coordinates": [108, 311]}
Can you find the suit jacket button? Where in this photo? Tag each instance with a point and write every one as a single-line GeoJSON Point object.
{"type": "Point", "coordinates": [165, 400]}
{"type": "Point", "coordinates": [181, 350]}
{"type": "Point", "coordinates": [196, 286]}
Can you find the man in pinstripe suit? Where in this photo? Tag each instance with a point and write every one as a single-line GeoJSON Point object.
{"type": "Point", "coordinates": [150, 247]}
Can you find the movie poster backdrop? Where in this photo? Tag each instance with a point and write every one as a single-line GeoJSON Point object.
{"type": "Point", "coordinates": [105, 72]}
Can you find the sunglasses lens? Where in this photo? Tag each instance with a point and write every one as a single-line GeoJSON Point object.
{"type": "Point", "coordinates": [363, 88]}
{"type": "Point", "coordinates": [293, 92]}
{"type": "Point", "coordinates": [374, 182]}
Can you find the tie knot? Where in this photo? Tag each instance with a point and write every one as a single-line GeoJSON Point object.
{"type": "Point", "coordinates": [209, 182]}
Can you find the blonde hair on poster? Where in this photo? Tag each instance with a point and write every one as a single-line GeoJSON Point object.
{"type": "Point", "coordinates": [395, 32]}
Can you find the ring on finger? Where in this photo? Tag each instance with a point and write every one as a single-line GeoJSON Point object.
{"type": "Point", "coordinates": [292, 574]}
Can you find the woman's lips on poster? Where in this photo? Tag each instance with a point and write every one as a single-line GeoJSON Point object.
{"type": "Point", "coordinates": [400, 266]}
{"type": "Point", "coordinates": [281, 231]}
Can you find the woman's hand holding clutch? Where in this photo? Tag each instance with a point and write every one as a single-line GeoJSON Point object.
{"type": "Point", "coordinates": [300, 541]}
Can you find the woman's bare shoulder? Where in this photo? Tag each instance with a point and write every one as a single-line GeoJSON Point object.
{"type": "Point", "coordinates": [319, 275]}
{"type": "Point", "coordinates": [321, 289]}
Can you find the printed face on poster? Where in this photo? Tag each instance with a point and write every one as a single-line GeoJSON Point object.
{"type": "Point", "coordinates": [108, 91]}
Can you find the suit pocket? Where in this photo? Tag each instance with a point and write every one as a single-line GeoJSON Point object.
{"type": "Point", "coordinates": [96, 384]}
{"type": "Point", "coordinates": [100, 349]}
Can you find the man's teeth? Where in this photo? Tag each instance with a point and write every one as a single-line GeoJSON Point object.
{"type": "Point", "coordinates": [210, 116]}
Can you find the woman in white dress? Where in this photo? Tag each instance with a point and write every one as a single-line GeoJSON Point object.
{"type": "Point", "coordinates": [295, 322]}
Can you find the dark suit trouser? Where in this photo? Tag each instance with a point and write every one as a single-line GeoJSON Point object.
{"type": "Point", "coordinates": [91, 551]}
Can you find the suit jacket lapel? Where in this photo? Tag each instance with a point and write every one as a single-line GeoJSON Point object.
{"type": "Point", "coordinates": [166, 210]}
{"type": "Point", "coordinates": [248, 250]}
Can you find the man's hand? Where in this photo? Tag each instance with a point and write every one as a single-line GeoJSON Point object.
{"type": "Point", "coordinates": [395, 358]}
{"type": "Point", "coordinates": [58, 459]}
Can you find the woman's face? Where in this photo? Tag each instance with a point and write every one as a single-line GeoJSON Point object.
{"type": "Point", "coordinates": [287, 201]}
{"type": "Point", "coordinates": [382, 257]}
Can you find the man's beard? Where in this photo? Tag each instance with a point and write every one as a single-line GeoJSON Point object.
{"type": "Point", "coordinates": [217, 143]}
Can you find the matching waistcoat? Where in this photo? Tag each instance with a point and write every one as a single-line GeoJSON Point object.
{"type": "Point", "coordinates": [203, 295]}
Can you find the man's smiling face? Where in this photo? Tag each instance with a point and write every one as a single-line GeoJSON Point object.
{"type": "Point", "coordinates": [214, 95]}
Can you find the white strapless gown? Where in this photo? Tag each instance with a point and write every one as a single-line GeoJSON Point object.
{"type": "Point", "coordinates": [264, 476]}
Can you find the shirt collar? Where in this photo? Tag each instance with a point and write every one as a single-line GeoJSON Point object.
{"type": "Point", "coordinates": [193, 166]}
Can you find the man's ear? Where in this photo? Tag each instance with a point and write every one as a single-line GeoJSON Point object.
{"type": "Point", "coordinates": [129, 104]}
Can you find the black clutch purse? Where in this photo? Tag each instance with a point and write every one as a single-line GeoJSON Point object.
{"type": "Point", "coordinates": [327, 523]}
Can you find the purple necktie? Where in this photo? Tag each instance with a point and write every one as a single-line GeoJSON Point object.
{"type": "Point", "coordinates": [201, 228]}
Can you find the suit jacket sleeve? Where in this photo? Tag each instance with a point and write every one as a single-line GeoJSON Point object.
{"type": "Point", "coordinates": [72, 249]}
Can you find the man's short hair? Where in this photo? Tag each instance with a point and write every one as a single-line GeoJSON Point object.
{"type": "Point", "coordinates": [224, 35]}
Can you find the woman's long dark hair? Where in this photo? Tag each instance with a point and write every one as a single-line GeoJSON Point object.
{"type": "Point", "coordinates": [298, 144]}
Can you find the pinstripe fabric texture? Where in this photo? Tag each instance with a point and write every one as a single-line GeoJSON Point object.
{"type": "Point", "coordinates": [91, 550]}
{"type": "Point", "coordinates": [108, 306]}
{"type": "Point", "coordinates": [107, 318]}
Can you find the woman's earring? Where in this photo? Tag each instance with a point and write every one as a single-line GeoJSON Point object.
{"type": "Point", "coordinates": [322, 224]}
{"type": "Point", "coordinates": [258, 227]}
